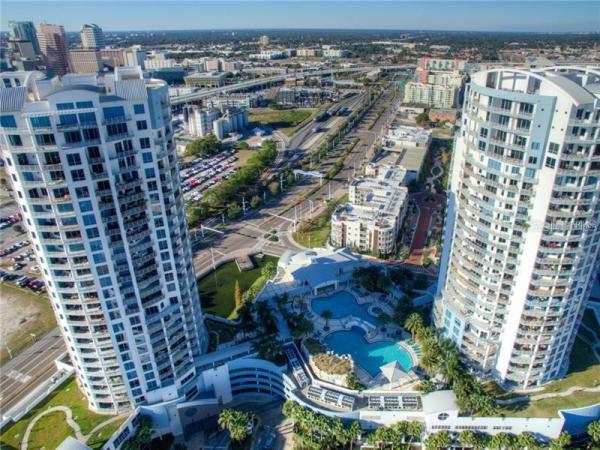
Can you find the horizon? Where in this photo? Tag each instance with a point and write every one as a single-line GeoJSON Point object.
{"type": "Point", "coordinates": [556, 17]}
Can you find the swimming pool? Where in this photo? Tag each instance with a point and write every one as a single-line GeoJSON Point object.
{"type": "Point", "coordinates": [343, 304]}
{"type": "Point", "coordinates": [370, 356]}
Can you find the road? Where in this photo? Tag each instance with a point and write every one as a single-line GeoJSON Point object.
{"type": "Point", "coordinates": [36, 364]}
{"type": "Point", "coordinates": [247, 236]}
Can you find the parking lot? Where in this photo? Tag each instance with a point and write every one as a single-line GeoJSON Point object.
{"type": "Point", "coordinates": [201, 174]}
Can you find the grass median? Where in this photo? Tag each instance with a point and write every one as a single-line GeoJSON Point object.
{"type": "Point", "coordinates": [286, 120]}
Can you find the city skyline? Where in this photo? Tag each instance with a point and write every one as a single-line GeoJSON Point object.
{"type": "Point", "coordinates": [554, 16]}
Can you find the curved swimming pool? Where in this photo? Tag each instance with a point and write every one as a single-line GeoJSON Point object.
{"type": "Point", "coordinates": [342, 304]}
{"type": "Point", "coordinates": [370, 356]}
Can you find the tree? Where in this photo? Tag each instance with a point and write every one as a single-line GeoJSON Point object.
{"type": "Point", "coordinates": [437, 441]}
{"type": "Point", "coordinates": [561, 441]}
{"type": "Point", "coordinates": [237, 295]}
{"type": "Point", "coordinates": [527, 441]}
{"type": "Point", "coordinates": [593, 430]}
{"type": "Point", "coordinates": [255, 201]}
{"type": "Point", "coordinates": [274, 187]}
{"type": "Point", "coordinates": [327, 315]}
{"type": "Point", "coordinates": [17, 228]}
{"type": "Point", "coordinates": [426, 386]}
{"type": "Point", "coordinates": [414, 324]}
{"type": "Point", "coordinates": [142, 436]}
{"type": "Point", "coordinates": [235, 422]}
{"type": "Point", "coordinates": [203, 146]}
{"type": "Point", "coordinates": [404, 252]}
{"type": "Point", "coordinates": [234, 211]}
{"type": "Point", "coordinates": [269, 270]}
{"type": "Point", "coordinates": [353, 432]}
{"type": "Point", "coordinates": [502, 441]}
{"type": "Point", "coordinates": [423, 118]}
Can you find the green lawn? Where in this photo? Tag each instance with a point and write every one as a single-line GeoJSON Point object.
{"type": "Point", "coordinates": [33, 314]}
{"type": "Point", "coordinates": [243, 157]}
{"type": "Point", "coordinates": [584, 371]}
{"type": "Point", "coordinates": [285, 121]}
{"type": "Point", "coordinates": [316, 233]}
{"type": "Point", "coordinates": [51, 430]}
{"type": "Point", "coordinates": [216, 288]}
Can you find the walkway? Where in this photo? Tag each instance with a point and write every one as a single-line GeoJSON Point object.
{"type": "Point", "coordinates": [428, 204]}
{"type": "Point", "coordinates": [566, 393]}
{"type": "Point", "coordinates": [83, 438]}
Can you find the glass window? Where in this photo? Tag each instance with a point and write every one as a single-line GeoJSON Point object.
{"type": "Point", "coordinates": [85, 104]}
{"type": "Point", "coordinates": [40, 122]}
{"type": "Point", "coordinates": [142, 125]}
{"type": "Point", "coordinates": [8, 122]}
{"type": "Point", "coordinates": [145, 142]}
{"type": "Point", "coordinates": [89, 219]}
{"type": "Point", "coordinates": [138, 109]}
{"type": "Point", "coordinates": [85, 206]}
{"type": "Point", "coordinates": [74, 159]}
{"type": "Point", "coordinates": [87, 117]}
{"type": "Point", "coordinates": [147, 157]}
{"type": "Point", "coordinates": [67, 119]}
{"type": "Point", "coordinates": [63, 106]}
{"type": "Point", "coordinates": [15, 140]}
{"type": "Point", "coordinates": [78, 175]}
{"type": "Point", "coordinates": [150, 173]}
{"type": "Point", "coordinates": [45, 139]}
{"type": "Point", "coordinates": [112, 112]}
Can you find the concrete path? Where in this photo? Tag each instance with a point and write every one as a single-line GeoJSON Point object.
{"type": "Point", "coordinates": [566, 393]}
{"type": "Point", "coordinates": [426, 208]}
{"type": "Point", "coordinates": [83, 438]}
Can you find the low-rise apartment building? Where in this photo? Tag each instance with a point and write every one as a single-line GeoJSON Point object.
{"type": "Point", "coordinates": [376, 207]}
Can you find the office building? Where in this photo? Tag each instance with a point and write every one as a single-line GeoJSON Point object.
{"type": "Point", "coordinates": [114, 57]}
{"type": "Point", "coordinates": [376, 207]}
{"type": "Point", "coordinates": [85, 60]}
{"type": "Point", "coordinates": [93, 165]}
{"type": "Point", "coordinates": [267, 55]}
{"type": "Point", "coordinates": [264, 41]}
{"type": "Point", "coordinates": [24, 31]}
{"type": "Point", "coordinates": [521, 236]}
{"type": "Point", "coordinates": [92, 36]}
{"type": "Point", "coordinates": [54, 48]}
{"type": "Point", "coordinates": [309, 52]}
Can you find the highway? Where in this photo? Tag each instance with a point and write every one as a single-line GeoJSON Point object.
{"type": "Point", "coordinates": [264, 81]}
{"type": "Point", "coordinates": [247, 236]}
{"type": "Point", "coordinates": [36, 364]}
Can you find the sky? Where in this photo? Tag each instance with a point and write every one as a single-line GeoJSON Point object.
{"type": "Point", "coordinates": [485, 15]}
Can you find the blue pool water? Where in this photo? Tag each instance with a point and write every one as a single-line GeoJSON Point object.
{"type": "Point", "coordinates": [342, 304]}
{"type": "Point", "coordinates": [370, 356]}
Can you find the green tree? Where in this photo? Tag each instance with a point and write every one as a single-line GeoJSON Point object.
{"type": "Point", "coordinates": [423, 118]}
{"type": "Point", "coordinates": [426, 386]}
{"type": "Point", "coordinates": [255, 201]}
{"type": "Point", "coordinates": [502, 441]}
{"type": "Point", "coordinates": [404, 252]}
{"type": "Point", "coordinates": [561, 441]}
{"type": "Point", "coordinates": [593, 430]}
{"type": "Point", "coordinates": [203, 146]}
{"type": "Point", "coordinates": [142, 436]}
{"type": "Point", "coordinates": [414, 324]}
{"type": "Point", "coordinates": [438, 441]}
{"type": "Point", "coordinates": [235, 422]}
{"type": "Point", "coordinates": [269, 270]}
{"type": "Point", "coordinates": [237, 295]}
{"type": "Point", "coordinates": [234, 211]}
{"type": "Point", "coordinates": [527, 441]}
{"type": "Point", "coordinates": [353, 432]}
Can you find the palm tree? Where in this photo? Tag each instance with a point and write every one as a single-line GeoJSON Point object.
{"type": "Point", "coordinates": [502, 441]}
{"type": "Point", "coordinates": [438, 441]}
{"type": "Point", "coordinates": [472, 439]}
{"type": "Point", "coordinates": [593, 430]}
{"type": "Point", "coordinates": [527, 441]}
{"type": "Point", "coordinates": [327, 315]}
{"type": "Point", "coordinates": [414, 324]}
{"type": "Point", "coordinates": [353, 432]}
{"type": "Point", "coordinates": [235, 422]}
{"type": "Point", "coordinates": [414, 429]}
{"type": "Point", "coordinates": [561, 441]}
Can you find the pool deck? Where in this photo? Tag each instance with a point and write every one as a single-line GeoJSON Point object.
{"type": "Point", "coordinates": [373, 333]}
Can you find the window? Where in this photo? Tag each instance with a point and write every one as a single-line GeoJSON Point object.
{"type": "Point", "coordinates": [554, 148]}
{"type": "Point", "coordinates": [144, 142]}
{"type": "Point", "coordinates": [64, 106]}
{"type": "Point", "coordinates": [150, 173]}
{"type": "Point", "coordinates": [92, 233]}
{"type": "Point", "coordinates": [15, 140]}
{"type": "Point", "coordinates": [523, 124]}
{"type": "Point", "coordinates": [72, 137]}
{"type": "Point", "coordinates": [91, 134]}
{"type": "Point", "coordinates": [85, 206]}
{"type": "Point", "coordinates": [550, 162]}
{"type": "Point", "coordinates": [138, 109]}
{"type": "Point", "coordinates": [87, 118]}
{"type": "Point", "coordinates": [494, 165]}
{"type": "Point", "coordinates": [117, 128]}
{"type": "Point", "coordinates": [8, 122]}
{"type": "Point", "coordinates": [86, 104]}
{"type": "Point", "coordinates": [142, 125]}
{"type": "Point", "coordinates": [78, 175]}
{"type": "Point", "coordinates": [89, 219]}
{"type": "Point", "coordinates": [67, 119]}
{"type": "Point", "coordinates": [40, 122]}
{"type": "Point", "coordinates": [535, 146]}
{"type": "Point", "coordinates": [147, 157]}
{"type": "Point", "coordinates": [45, 139]}
{"type": "Point", "coordinates": [525, 108]}
{"type": "Point", "coordinates": [82, 192]}
{"type": "Point", "coordinates": [74, 159]}
{"type": "Point", "coordinates": [532, 160]}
